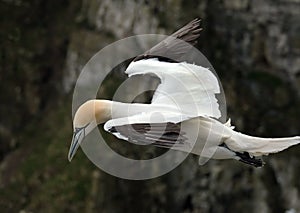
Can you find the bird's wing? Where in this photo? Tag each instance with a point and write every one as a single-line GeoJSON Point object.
{"type": "Point", "coordinates": [188, 87]}
{"type": "Point", "coordinates": [201, 136]}
{"type": "Point", "coordinates": [176, 45]}
{"type": "Point", "coordinates": [162, 130]}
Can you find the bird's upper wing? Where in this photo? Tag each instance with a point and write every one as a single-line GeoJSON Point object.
{"type": "Point", "coordinates": [175, 46]}
{"type": "Point", "coordinates": [188, 87]}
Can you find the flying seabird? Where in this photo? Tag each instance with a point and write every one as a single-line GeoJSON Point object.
{"type": "Point", "coordinates": [184, 104]}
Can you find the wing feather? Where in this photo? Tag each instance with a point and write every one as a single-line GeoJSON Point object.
{"type": "Point", "coordinates": [163, 133]}
{"type": "Point", "coordinates": [190, 88]}
{"type": "Point", "coordinates": [175, 46]}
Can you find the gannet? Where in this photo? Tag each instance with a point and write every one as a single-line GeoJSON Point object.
{"type": "Point", "coordinates": [184, 104]}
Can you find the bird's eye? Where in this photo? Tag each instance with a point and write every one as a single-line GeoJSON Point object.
{"type": "Point", "coordinates": [77, 129]}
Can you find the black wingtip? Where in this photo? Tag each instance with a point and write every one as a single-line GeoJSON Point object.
{"type": "Point", "coordinates": [197, 21]}
{"type": "Point", "coordinates": [169, 50]}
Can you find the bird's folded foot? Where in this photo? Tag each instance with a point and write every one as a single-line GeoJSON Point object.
{"type": "Point", "coordinates": [246, 158]}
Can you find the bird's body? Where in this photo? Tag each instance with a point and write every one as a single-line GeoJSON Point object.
{"type": "Point", "coordinates": [183, 114]}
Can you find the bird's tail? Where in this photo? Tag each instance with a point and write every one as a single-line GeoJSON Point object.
{"type": "Point", "coordinates": [257, 146]}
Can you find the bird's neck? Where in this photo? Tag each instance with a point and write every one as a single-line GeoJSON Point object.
{"type": "Point", "coordinates": [106, 110]}
{"type": "Point", "coordinates": [102, 110]}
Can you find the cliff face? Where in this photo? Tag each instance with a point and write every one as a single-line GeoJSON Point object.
{"type": "Point", "coordinates": [253, 45]}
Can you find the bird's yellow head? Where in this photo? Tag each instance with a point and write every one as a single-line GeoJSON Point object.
{"type": "Point", "coordinates": [87, 117]}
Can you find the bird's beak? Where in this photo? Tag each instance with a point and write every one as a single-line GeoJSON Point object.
{"type": "Point", "coordinates": [78, 136]}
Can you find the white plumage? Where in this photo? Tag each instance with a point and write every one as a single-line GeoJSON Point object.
{"type": "Point", "coordinates": [186, 95]}
{"type": "Point", "coordinates": [183, 113]}
{"type": "Point", "coordinates": [187, 86]}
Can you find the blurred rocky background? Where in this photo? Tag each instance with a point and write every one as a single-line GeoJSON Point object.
{"type": "Point", "coordinates": [253, 45]}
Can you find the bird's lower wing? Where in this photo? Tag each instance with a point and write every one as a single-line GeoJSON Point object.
{"type": "Point", "coordinates": [146, 129]}
{"type": "Point", "coordinates": [200, 135]}
{"type": "Point", "coordinates": [166, 135]}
